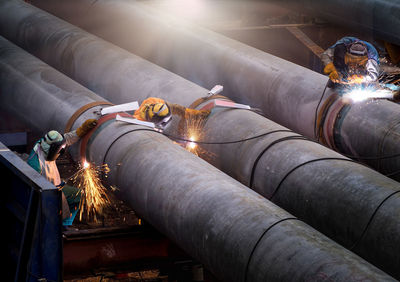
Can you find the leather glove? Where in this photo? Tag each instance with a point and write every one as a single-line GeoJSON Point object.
{"type": "Point", "coordinates": [86, 127]}
{"type": "Point", "coordinates": [331, 71]}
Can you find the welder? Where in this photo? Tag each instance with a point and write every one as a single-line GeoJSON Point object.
{"type": "Point", "coordinates": [43, 156]}
{"type": "Point", "coordinates": [351, 60]}
{"type": "Point", "coordinates": [160, 112]}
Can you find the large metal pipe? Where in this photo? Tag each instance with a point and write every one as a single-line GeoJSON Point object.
{"type": "Point", "coordinates": [287, 93]}
{"type": "Point", "coordinates": [237, 234]}
{"type": "Point", "coordinates": [264, 164]}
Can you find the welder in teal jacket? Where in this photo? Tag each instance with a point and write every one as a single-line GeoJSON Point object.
{"type": "Point", "coordinates": [43, 156]}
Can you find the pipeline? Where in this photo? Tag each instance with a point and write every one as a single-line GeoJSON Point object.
{"type": "Point", "coordinates": [287, 93]}
{"type": "Point", "coordinates": [281, 164]}
{"type": "Point", "coordinates": [237, 234]}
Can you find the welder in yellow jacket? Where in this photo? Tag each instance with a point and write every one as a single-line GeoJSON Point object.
{"type": "Point", "coordinates": [160, 112]}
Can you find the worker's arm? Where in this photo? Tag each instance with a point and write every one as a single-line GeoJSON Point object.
{"type": "Point", "coordinates": [327, 56]}
{"type": "Point", "coordinates": [73, 136]}
{"type": "Point", "coordinates": [186, 113]}
{"type": "Point", "coordinates": [373, 71]}
{"type": "Point", "coordinates": [177, 109]}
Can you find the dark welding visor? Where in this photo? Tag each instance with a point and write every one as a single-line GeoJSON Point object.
{"type": "Point", "coordinates": [56, 150]}
{"type": "Point", "coordinates": [164, 122]}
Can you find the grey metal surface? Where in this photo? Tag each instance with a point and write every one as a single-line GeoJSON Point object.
{"type": "Point", "coordinates": [287, 93]}
{"type": "Point", "coordinates": [214, 218]}
{"type": "Point", "coordinates": [308, 191]}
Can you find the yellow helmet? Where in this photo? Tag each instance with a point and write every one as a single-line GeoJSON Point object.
{"type": "Point", "coordinates": [158, 112]}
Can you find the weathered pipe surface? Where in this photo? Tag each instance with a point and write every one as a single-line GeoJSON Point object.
{"type": "Point", "coordinates": [287, 93]}
{"type": "Point", "coordinates": [236, 233]}
{"type": "Point", "coordinates": [377, 17]}
{"type": "Point", "coordinates": [303, 192]}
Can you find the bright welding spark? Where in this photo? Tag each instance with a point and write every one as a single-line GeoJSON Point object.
{"type": "Point", "coordinates": [192, 145]}
{"type": "Point", "coordinates": [86, 164]}
{"type": "Point", "coordinates": [94, 197]}
{"type": "Point", "coordinates": [362, 94]}
{"type": "Point", "coordinates": [194, 131]}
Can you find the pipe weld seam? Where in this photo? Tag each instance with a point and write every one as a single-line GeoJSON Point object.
{"type": "Point", "coordinates": [259, 240]}
{"type": "Point", "coordinates": [303, 164]}
{"type": "Point", "coordinates": [286, 138]}
{"type": "Point", "coordinates": [371, 219]}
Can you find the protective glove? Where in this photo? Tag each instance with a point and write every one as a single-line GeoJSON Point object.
{"type": "Point", "coordinates": [86, 127]}
{"type": "Point", "coordinates": [331, 71]}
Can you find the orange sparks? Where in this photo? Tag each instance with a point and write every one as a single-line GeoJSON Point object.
{"type": "Point", "coordinates": [94, 197]}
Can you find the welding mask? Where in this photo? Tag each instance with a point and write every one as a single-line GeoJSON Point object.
{"type": "Point", "coordinates": [53, 145]}
{"type": "Point", "coordinates": [356, 58]}
{"type": "Point", "coordinates": [159, 114]}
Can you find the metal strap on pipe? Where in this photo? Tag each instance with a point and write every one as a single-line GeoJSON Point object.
{"type": "Point", "coordinates": [201, 100]}
{"type": "Point", "coordinates": [81, 110]}
{"type": "Point", "coordinates": [101, 123]}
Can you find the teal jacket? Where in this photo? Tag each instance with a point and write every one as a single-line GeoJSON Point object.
{"type": "Point", "coordinates": [33, 160]}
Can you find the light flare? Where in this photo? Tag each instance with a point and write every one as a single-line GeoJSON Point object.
{"type": "Point", "coordinates": [192, 145]}
{"type": "Point", "coordinates": [193, 132]}
{"type": "Point", "coordinates": [360, 94]}
{"type": "Point", "coordinates": [94, 197]}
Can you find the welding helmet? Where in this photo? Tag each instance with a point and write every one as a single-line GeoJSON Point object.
{"type": "Point", "coordinates": [53, 145]}
{"type": "Point", "coordinates": [356, 56]}
{"type": "Point", "coordinates": [158, 113]}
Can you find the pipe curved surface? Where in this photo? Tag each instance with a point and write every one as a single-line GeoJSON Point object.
{"type": "Point", "coordinates": [210, 215]}
{"type": "Point", "coordinates": [302, 191]}
{"type": "Point", "coordinates": [287, 93]}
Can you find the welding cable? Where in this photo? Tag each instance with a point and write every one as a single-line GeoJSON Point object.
{"type": "Point", "coordinates": [225, 142]}
{"type": "Point", "coordinates": [259, 240]}
{"type": "Point", "coordinates": [123, 134]}
{"type": "Point", "coordinates": [316, 110]}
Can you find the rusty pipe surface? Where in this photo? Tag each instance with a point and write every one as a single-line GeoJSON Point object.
{"type": "Point", "coordinates": [234, 232]}
{"type": "Point", "coordinates": [287, 93]}
{"type": "Point", "coordinates": [266, 164]}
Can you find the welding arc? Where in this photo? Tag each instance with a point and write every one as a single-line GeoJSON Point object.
{"type": "Point", "coordinates": [348, 155]}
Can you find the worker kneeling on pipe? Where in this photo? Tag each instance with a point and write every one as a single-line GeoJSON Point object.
{"type": "Point", "coordinates": [351, 60]}
{"type": "Point", "coordinates": [43, 156]}
{"type": "Point", "coordinates": [160, 112]}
